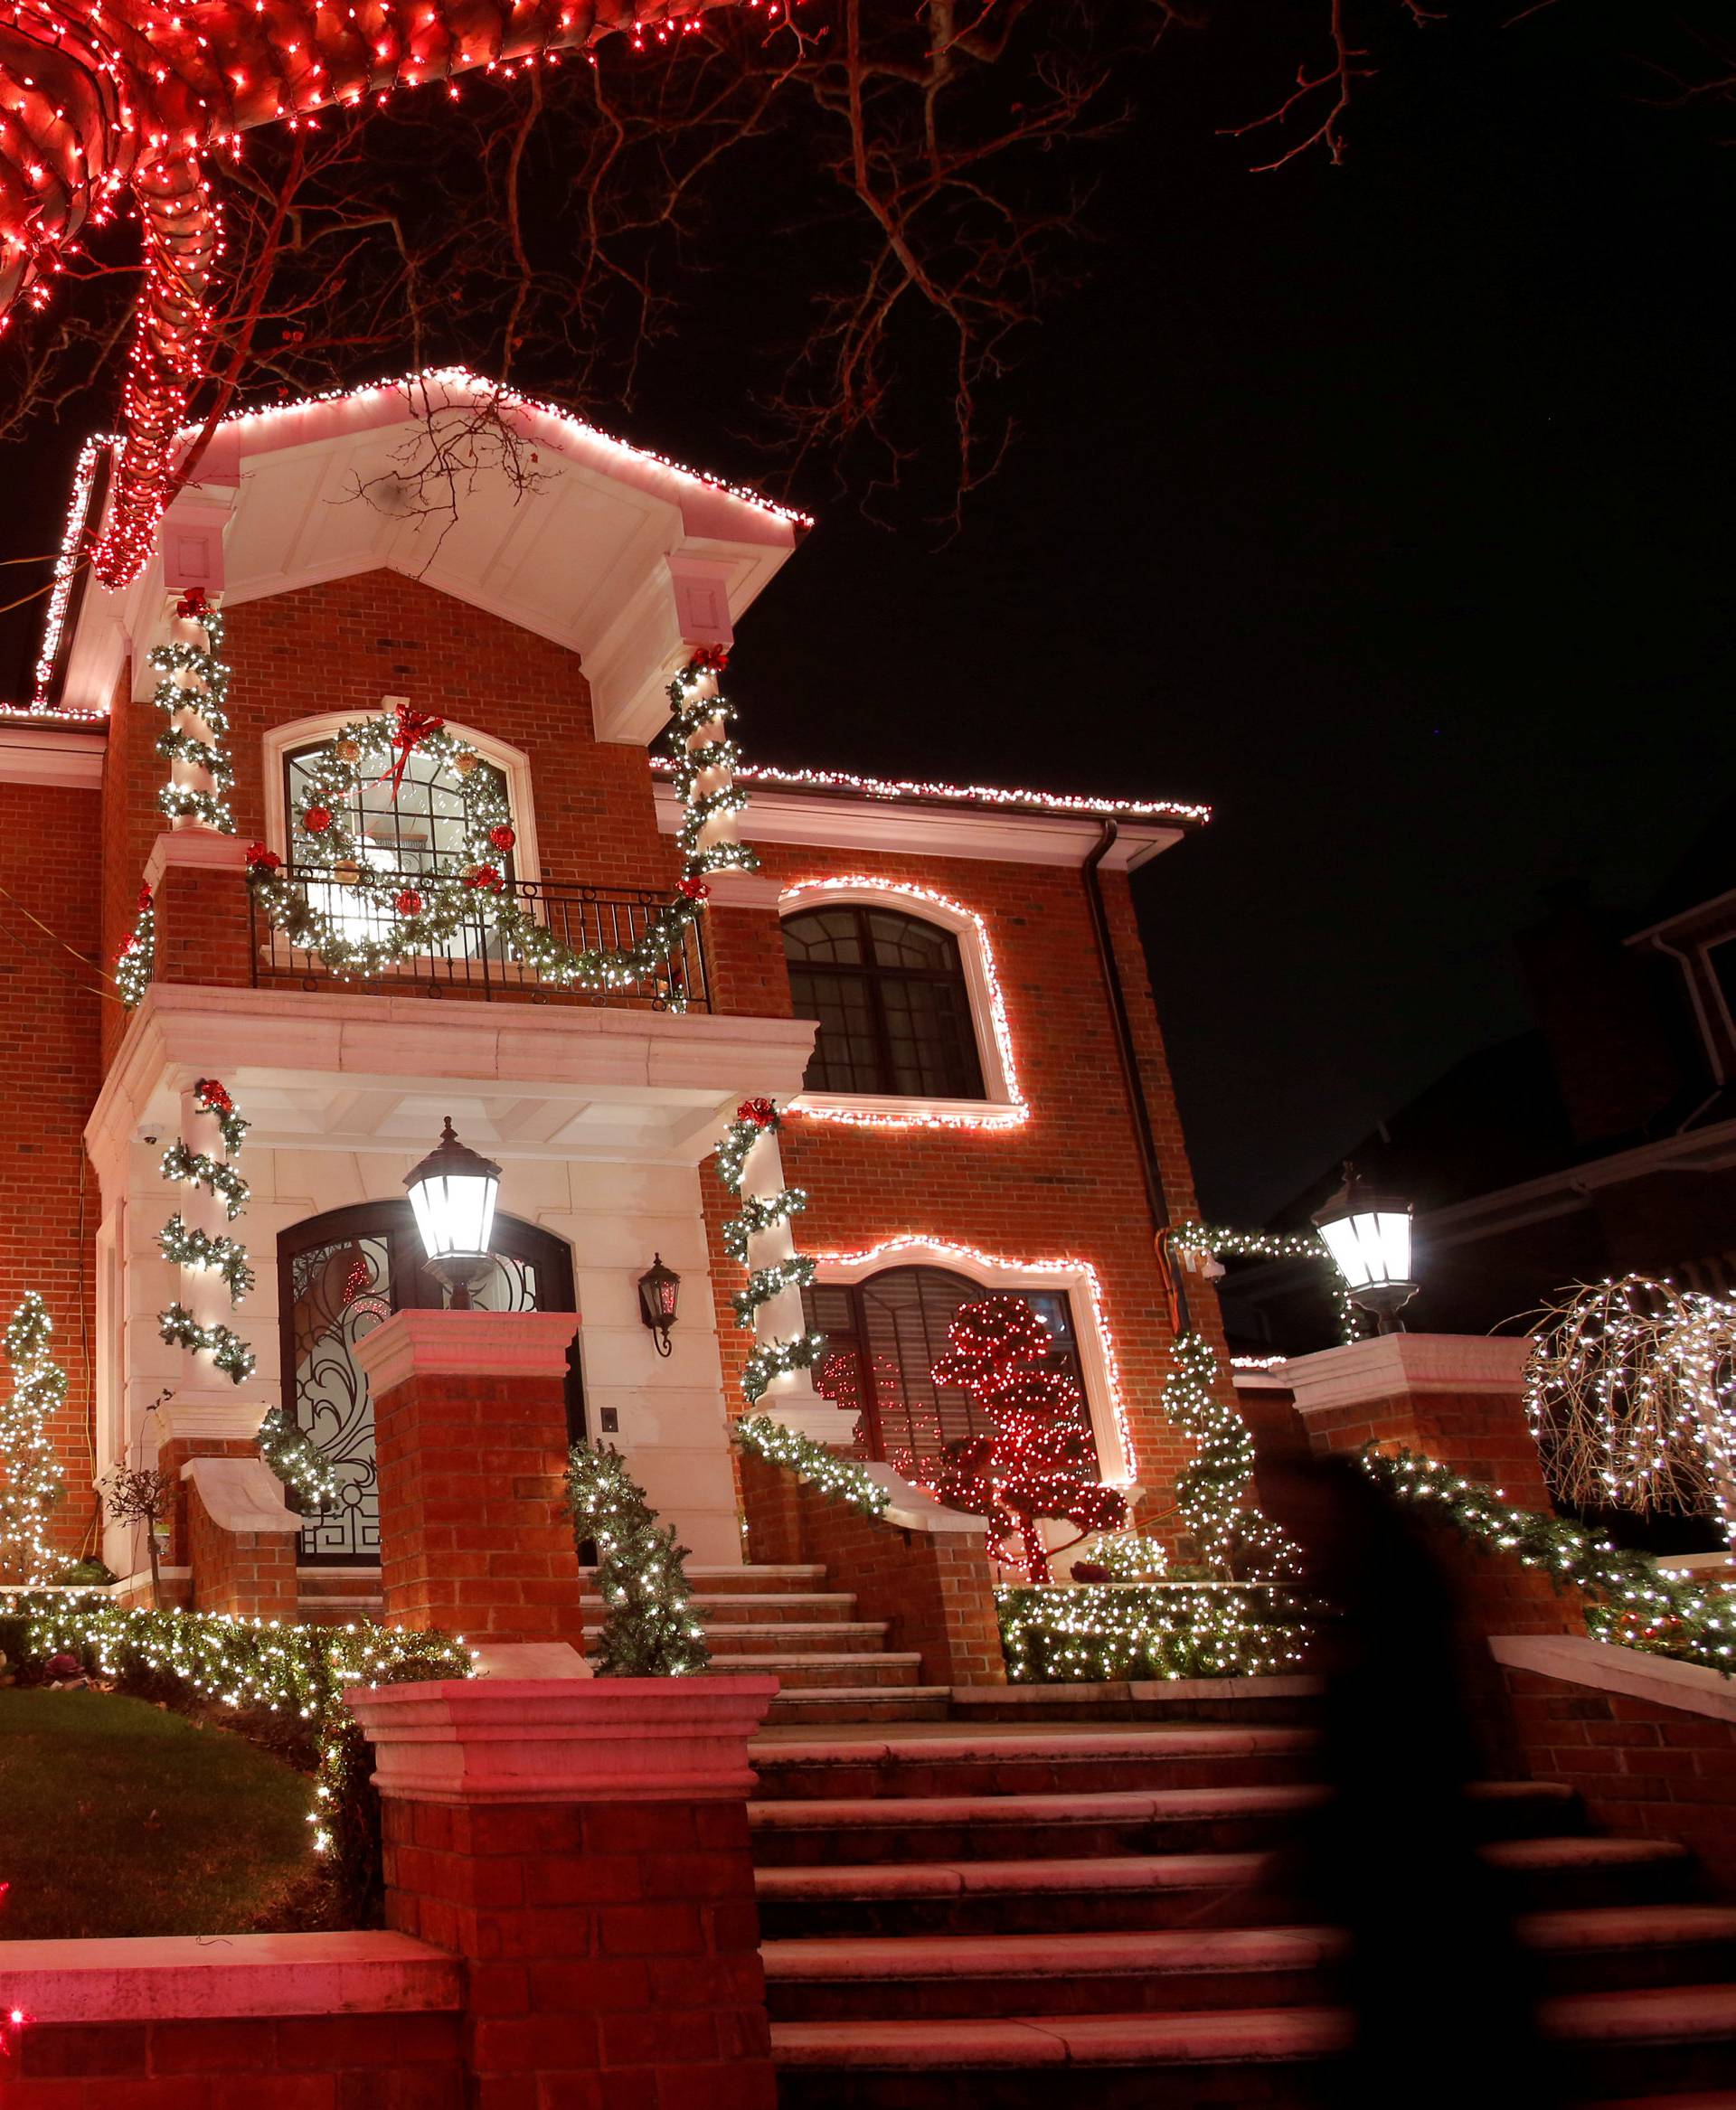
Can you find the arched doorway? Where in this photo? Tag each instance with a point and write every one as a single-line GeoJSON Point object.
{"type": "Point", "coordinates": [340, 1276]}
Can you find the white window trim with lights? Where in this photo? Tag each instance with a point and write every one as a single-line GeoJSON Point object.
{"type": "Point", "coordinates": [1116, 1459]}
{"type": "Point", "coordinates": [1002, 1105]}
{"type": "Point", "coordinates": [512, 762]}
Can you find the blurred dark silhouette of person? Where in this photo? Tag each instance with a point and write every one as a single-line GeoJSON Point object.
{"type": "Point", "coordinates": [1442, 1993]}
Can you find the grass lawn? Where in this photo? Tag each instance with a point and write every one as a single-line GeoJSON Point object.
{"type": "Point", "coordinates": [116, 1818]}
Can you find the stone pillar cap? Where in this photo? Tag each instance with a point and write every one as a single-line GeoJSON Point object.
{"type": "Point", "coordinates": [563, 1740]}
{"type": "Point", "coordinates": [467, 1344]}
{"type": "Point", "coordinates": [1388, 1365]}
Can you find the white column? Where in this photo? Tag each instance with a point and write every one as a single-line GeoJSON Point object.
{"type": "Point", "coordinates": [189, 718]}
{"type": "Point", "coordinates": [791, 1399]}
{"type": "Point", "coordinates": [722, 827]}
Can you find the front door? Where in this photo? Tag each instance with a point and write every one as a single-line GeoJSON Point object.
{"type": "Point", "coordinates": [339, 1276]}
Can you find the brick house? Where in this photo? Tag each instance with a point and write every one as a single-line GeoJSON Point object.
{"type": "Point", "coordinates": [963, 1121]}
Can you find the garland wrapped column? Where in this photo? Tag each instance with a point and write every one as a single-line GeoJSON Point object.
{"type": "Point", "coordinates": [216, 1274]}
{"type": "Point", "coordinates": [194, 691]}
{"type": "Point", "coordinates": [750, 1165]}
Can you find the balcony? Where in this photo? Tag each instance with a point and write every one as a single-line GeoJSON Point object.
{"type": "Point", "coordinates": [472, 964]}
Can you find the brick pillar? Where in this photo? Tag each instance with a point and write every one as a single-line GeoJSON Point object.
{"type": "Point", "coordinates": [198, 879]}
{"type": "Point", "coordinates": [471, 1449]}
{"type": "Point", "coordinates": [203, 1425]}
{"type": "Point", "coordinates": [584, 1845]}
{"type": "Point", "coordinates": [1456, 1398]}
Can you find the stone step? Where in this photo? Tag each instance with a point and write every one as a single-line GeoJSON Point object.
{"type": "Point", "coordinates": [1288, 1698]}
{"type": "Point", "coordinates": [1123, 2062]}
{"type": "Point", "coordinates": [876, 1668]}
{"type": "Point", "coordinates": [1625, 1947]}
{"type": "Point", "coordinates": [1561, 1872]}
{"type": "Point", "coordinates": [828, 1706]}
{"type": "Point", "coordinates": [1654, 2040]}
{"type": "Point", "coordinates": [943, 1976]}
{"type": "Point", "coordinates": [335, 1611]}
{"type": "Point", "coordinates": [730, 1607]}
{"type": "Point", "coordinates": [324, 1582]}
{"type": "Point", "coordinates": [768, 1581]}
{"type": "Point", "coordinates": [834, 1639]}
{"type": "Point", "coordinates": [1032, 1761]}
{"type": "Point", "coordinates": [1074, 1827]}
{"type": "Point", "coordinates": [1116, 1894]}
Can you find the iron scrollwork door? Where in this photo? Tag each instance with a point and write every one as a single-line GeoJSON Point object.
{"type": "Point", "coordinates": [342, 1275]}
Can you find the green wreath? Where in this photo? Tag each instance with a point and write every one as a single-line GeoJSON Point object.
{"type": "Point", "coordinates": [424, 915]}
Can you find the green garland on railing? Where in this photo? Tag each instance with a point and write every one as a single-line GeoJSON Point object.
{"type": "Point", "coordinates": [181, 801]}
{"type": "Point", "coordinates": [255, 1665]}
{"type": "Point", "coordinates": [1639, 1605]}
{"type": "Point", "coordinates": [756, 1118]}
{"type": "Point", "coordinates": [297, 1460]}
{"type": "Point", "coordinates": [1214, 1241]}
{"type": "Point", "coordinates": [1101, 1632]}
{"type": "Point", "coordinates": [1213, 1492]}
{"type": "Point", "coordinates": [839, 1478]}
{"type": "Point", "coordinates": [649, 1627]}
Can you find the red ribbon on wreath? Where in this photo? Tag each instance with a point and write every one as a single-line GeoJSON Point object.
{"type": "Point", "coordinates": [410, 730]}
{"type": "Point", "coordinates": [709, 659]}
{"type": "Point", "coordinates": [695, 888]}
{"type": "Point", "coordinates": [760, 1112]}
{"type": "Point", "coordinates": [194, 606]}
{"type": "Point", "coordinates": [213, 1096]}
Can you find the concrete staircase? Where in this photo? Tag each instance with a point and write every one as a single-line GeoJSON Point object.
{"type": "Point", "coordinates": [832, 1666]}
{"type": "Point", "coordinates": [1072, 1913]}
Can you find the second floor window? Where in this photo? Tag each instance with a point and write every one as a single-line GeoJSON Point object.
{"type": "Point", "coordinates": [419, 832]}
{"type": "Point", "coordinates": [888, 991]}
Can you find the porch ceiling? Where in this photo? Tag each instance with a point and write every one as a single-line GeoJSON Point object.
{"type": "Point", "coordinates": [349, 1072]}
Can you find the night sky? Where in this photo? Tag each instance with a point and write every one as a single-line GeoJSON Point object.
{"type": "Point", "coordinates": [1385, 507]}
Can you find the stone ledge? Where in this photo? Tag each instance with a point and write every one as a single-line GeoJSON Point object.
{"type": "Point", "coordinates": [185, 1978]}
{"type": "Point", "coordinates": [467, 1344]}
{"type": "Point", "coordinates": [1603, 1666]}
{"type": "Point", "coordinates": [1390, 1365]}
{"type": "Point", "coordinates": [240, 1495]}
{"type": "Point", "coordinates": [563, 1740]}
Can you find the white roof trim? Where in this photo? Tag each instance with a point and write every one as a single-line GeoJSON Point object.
{"type": "Point", "coordinates": [53, 755]}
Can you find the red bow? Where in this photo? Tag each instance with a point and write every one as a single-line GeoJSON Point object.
{"type": "Point", "coordinates": [760, 1112]}
{"type": "Point", "coordinates": [194, 606]}
{"type": "Point", "coordinates": [410, 729]}
{"type": "Point", "coordinates": [709, 659]}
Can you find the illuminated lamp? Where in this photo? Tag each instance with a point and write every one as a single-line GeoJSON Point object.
{"type": "Point", "coordinates": [1368, 1236]}
{"type": "Point", "coordinates": [659, 1291]}
{"type": "Point", "coordinates": [453, 1193]}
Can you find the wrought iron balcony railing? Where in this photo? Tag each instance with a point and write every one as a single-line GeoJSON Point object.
{"type": "Point", "coordinates": [473, 961]}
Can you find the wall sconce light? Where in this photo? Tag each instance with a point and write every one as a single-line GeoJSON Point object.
{"type": "Point", "coordinates": [659, 1288]}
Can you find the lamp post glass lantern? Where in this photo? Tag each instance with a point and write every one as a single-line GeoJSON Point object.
{"type": "Point", "coordinates": [659, 1288]}
{"type": "Point", "coordinates": [1368, 1236]}
{"type": "Point", "coordinates": [452, 1192]}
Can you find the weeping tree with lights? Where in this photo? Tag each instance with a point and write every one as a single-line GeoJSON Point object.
{"type": "Point", "coordinates": [1035, 1464]}
{"type": "Point", "coordinates": [1630, 1391]}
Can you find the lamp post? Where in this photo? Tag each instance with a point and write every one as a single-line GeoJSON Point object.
{"type": "Point", "coordinates": [659, 1288]}
{"type": "Point", "coordinates": [453, 1193]}
{"type": "Point", "coordinates": [1368, 1236]}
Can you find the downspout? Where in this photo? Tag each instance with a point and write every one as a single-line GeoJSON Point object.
{"type": "Point", "coordinates": [1156, 1197]}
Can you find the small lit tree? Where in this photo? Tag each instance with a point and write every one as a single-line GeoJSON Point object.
{"type": "Point", "coordinates": [1035, 1463]}
{"type": "Point", "coordinates": [139, 1494]}
{"type": "Point", "coordinates": [649, 1629]}
{"type": "Point", "coordinates": [30, 1480]}
{"type": "Point", "coordinates": [1630, 1390]}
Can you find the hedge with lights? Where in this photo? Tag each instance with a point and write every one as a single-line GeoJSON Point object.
{"type": "Point", "coordinates": [1633, 1601]}
{"type": "Point", "coordinates": [258, 1668]}
{"type": "Point", "coordinates": [649, 1627]}
{"type": "Point", "coordinates": [404, 919]}
{"type": "Point", "coordinates": [1096, 1633]}
{"type": "Point", "coordinates": [839, 1479]}
{"type": "Point", "coordinates": [756, 1119]}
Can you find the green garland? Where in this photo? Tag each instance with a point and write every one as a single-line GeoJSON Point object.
{"type": "Point", "coordinates": [31, 1482]}
{"type": "Point", "coordinates": [769, 1359]}
{"type": "Point", "coordinates": [1637, 1604]}
{"type": "Point", "coordinates": [190, 1248]}
{"type": "Point", "coordinates": [1214, 1241]}
{"type": "Point", "coordinates": [649, 1629]}
{"type": "Point", "coordinates": [137, 966]}
{"type": "Point", "coordinates": [181, 801]}
{"type": "Point", "coordinates": [300, 1672]}
{"type": "Point", "coordinates": [1099, 1633]}
{"type": "Point", "coordinates": [1212, 1493]}
{"type": "Point", "coordinates": [423, 918]}
{"type": "Point", "coordinates": [840, 1479]}
{"type": "Point", "coordinates": [297, 1460]}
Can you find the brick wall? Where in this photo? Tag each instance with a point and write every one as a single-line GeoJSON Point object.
{"type": "Point", "coordinates": [1064, 1185]}
{"type": "Point", "coordinates": [249, 1574]}
{"type": "Point", "coordinates": [1483, 1436]}
{"type": "Point", "coordinates": [1638, 1766]}
{"type": "Point", "coordinates": [614, 1947]}
{"type": "Point", "coordinates": [49, 1052]}
{"type": "Point", "coordinates": [933, 1587]}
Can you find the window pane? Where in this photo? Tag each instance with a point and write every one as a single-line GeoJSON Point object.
{"type": "Point", "coordinates": [829, 935]}
{"type": "Point", "coordinates": [846, 1050]}
{"type": "Point", "coordinates": [901, 941]}
{"type": "Point", "coordinates": [933, 1046]}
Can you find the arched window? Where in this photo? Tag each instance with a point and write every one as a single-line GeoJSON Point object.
{"type": "Point", "coordinates": [418, 831]}
{"type": "Point", "coordinates": [890, 992]}
{"type": "Point", "coordinates": [884, 1336]}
